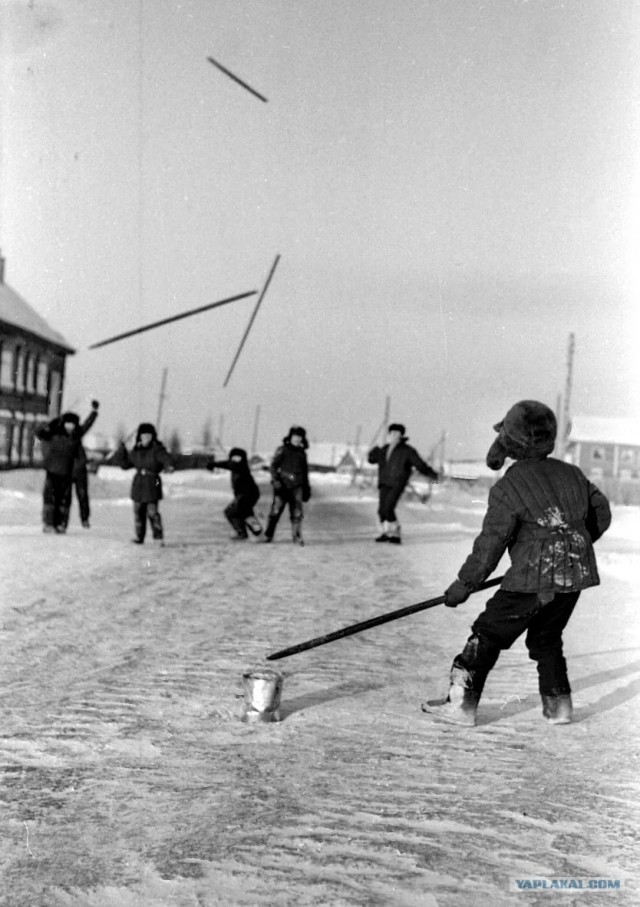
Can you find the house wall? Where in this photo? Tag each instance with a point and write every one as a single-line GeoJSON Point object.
{"type": "Point", "coordinates": [31, 385]}
{"type": "Point", "coordinates": [609, 461]}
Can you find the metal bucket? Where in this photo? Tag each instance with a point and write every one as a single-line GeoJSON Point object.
{"type": "Point", "coordinates": [262, 691]}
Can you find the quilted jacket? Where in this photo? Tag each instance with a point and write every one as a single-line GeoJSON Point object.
{"type": "Point", "coordinates": [547, 514]}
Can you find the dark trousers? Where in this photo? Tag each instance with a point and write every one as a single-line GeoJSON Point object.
{"type": "Point", "coordinates": [388, 497]}
{"type": "Point", "coordinates": [81, 483]}
{"type": "Point", "coordinates": [291, 497]}
{"type": "Point", "coordinates": [506, 617]}
{"type": "Point", "coordinates": [238, 511]}
{"type": "Point", "coordinates": [56, 500]}
{"type": "Point", "coordinates": [142, 512]}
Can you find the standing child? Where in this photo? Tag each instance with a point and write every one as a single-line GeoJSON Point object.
{"type": "Point", "coordinates": [290, 480]}
{"type": "Point", "coordinates": [148, 457]}
{"type": "Point", "coordinates": [60, 448]}
{"type": "Point", "coordinates": [396, 460]}
{"type": "Point", "coordinates": [548, 515]}
{"type": "Point", "coordinates": [80, 478]}
{"type": "Point", "coordinates": [245, 494]}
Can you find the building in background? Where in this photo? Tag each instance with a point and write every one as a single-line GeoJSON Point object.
{"type": "Point", "coordinates": [608, 452]}
{"type": "Point", "coordinates": [32, 370]}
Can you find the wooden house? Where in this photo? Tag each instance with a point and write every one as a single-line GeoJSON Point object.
{"type": "Point", "coordinates": [32, 371]}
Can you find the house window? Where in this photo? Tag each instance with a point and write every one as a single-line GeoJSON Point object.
{"type": "Point", "coordinates": [19, 368]}
{"type": "Point", "coordinates": [16, 443]}
{"type": "Point", "coordinates": [30, 374]}
{"type": "Point", "coordinates": [627, 457]}
{"type": "Point", "coordinates": [5, 441]}
{"type": "Point", "coordinates": [42, 378]}
{"type": "Point", "coordinates": [55, 393]}
{"type": "Point", "coordinates": [27, 443]}
{"type": "Point", "coordinates": [597, 454]}
{"type": "Point", "coordinates": [6, 367]}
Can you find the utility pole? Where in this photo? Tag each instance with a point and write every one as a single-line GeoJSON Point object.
{"type": "Point", "coordinates": [254, 440]}
{"type": "Point", "coordinates": [220, 429]}
{"type": "Point", "coordinates": [162, 398]}
{"type": "Point", "coordinates": [565, 426]}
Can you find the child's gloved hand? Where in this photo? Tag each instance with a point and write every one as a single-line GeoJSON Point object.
{"type": "Point", "coordinates": [457, 593]}
{"type": "Point", "coordinates": [95, 404]}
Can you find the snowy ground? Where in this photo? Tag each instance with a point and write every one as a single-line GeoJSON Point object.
{"type": "Point", "coordinates": [128, 779]}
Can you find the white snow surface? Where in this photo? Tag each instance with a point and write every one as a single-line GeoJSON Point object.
{"type": "Point", "coordinates": [129, 780]}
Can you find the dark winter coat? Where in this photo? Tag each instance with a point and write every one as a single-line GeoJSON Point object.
{"type": "Point", "coordinates": [80, 462]}
{"type": "Point", "coordinates": [547, 514]}
{"type": "Point", "coordinates": [59, 449]}
{"type": "Point", "coordinates": [242, 482]}
{"type": "Point", "coordinates": [290, 470]}
{"type": "Point", "coordinates": [394, 470]}
{"type": "Point", "coordinates": [148, 462]}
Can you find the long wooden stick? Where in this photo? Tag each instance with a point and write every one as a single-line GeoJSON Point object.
{"type": "Point", "coordinates": [156, 324]}
{"type": "Point", "coordinates": [252, 319]}
{"type": "Point", "coordinates": [228, 72]}
{"type": "Point", "coordinates": [372, 622]}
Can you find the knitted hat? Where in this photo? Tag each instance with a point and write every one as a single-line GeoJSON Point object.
{"type": "Point", "coordinates": [397, 426]}
{"type": "Point", "coordinates": [527, 432]}
{"type": "Point", "coordinates": [70, 417]}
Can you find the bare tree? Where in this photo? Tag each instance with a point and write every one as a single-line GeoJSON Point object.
{"type": "Point", "coordinates": [175, 442]}
{"type": "Point", "coordinates": [207, 435]}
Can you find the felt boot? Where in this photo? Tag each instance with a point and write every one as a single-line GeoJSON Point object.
{"type": "Point", "coordinates": [459, 707]}
{"type": "Point", "coordinates": [557, 709]}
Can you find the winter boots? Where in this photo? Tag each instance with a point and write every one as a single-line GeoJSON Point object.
{"type": "Point", "coordinates": [390, 532]}
{"type": "Point", "coordinates": [557, 709]}
{"type": "Point", "coordinates": [269, 532]}
{"type": "Point", "coordinates": [296, 533]}
{"type": "Point", "coordinates": [394, 534]}
{"type": "Point", "coordinates": [459, 707]}
{"type": "Point", "coordinates": [384, 532]}
{"type": "Point", "coordinates": [254, 525]}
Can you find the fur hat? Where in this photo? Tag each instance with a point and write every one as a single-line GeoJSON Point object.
{"type": "Point", "coordinates": [397, 426]}
{"type": "Point", "coordinates": [70, 417]}
{"type": "Point", "coordinates": [300, 432]}
{"type": "Point", "coordinates": [527, 432]}
{"type": "Point", "coordinates": [146, 428]}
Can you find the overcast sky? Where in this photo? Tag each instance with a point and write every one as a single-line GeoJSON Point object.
{"type": "Point", "coordinates": [452, 185]}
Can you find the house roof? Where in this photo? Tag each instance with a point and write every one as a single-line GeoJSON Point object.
{"type": "Point", "coordinates": [14, 310]}
{"type": "Point", "coordinates": [603, 430]}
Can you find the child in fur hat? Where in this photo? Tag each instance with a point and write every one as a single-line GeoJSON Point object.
{"type": "Point", "coordinates": [245, 494]}
{"type": "Point", "coordinates": [148, 457]}
{"type": "Point", "coordinates": [547, 514]}
{"type": "Point", "coordinates": [290, 480]}
{"type": "Point", "coordinates": [396, 461]}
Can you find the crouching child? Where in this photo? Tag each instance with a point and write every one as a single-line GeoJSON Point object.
{"type": "Point", "coordinates": [148, 457]}
{"type": "Point", "coordinates": [547, 514]}
{"type": "Point", "coordinates": [245, 494]}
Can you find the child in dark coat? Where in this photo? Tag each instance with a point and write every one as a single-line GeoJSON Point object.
{"type": "Point", "coordinates": [547, 514]}
{"type": "Point", "coordinates": [245, 493]}
{"type": "Point", "coordinates": [80, 478]}
{"type": "Point", "coordinates": [60, 449]}
{"type": "Point", "coordinates": [148, 457]}
{"type": "Point", "coordinates": [290, 480]}
{"type": "Point", "coordinates": [396, 460]}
